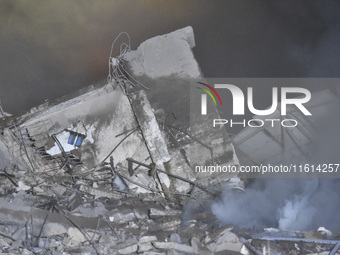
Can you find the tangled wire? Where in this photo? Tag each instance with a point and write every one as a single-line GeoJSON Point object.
{"type": "Point", "coordinates": [117, 72]}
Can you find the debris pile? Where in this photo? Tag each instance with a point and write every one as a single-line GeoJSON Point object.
{"type": "Point", "coordinates": [53, 216]}
{"type": "Point", "coordinates": [109, 169]}
{"type": "Point", "coordinates": [50, 218]}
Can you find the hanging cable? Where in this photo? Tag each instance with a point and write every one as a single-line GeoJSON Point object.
{"type": "Point", "coordinates": [117, 72]}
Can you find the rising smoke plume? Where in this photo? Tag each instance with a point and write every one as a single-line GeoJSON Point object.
{"type": "Point", "coordinates": [287, 204]}
{"type": "Point", "coordinates": [292, 204]}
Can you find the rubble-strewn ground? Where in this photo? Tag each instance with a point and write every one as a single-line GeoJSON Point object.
{"type": "Point", "coordinates": [57, 197]}
{"type": "Point", "coordinates": [41, 215]}
{"type": "Point", "coordinates": [52, 215]}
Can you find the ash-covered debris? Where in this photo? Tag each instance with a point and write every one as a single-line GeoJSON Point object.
{"type": "Point", "coordinates": [109, 169]}
{"type": "Point", "coordinates": [56, 216]}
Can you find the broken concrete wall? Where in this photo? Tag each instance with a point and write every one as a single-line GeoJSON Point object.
{"type": "Point", "coordinates": [153, 137]}
{"type": "Point", "coordinates": [159, 125]}
{"type": "Point", "coordinates": [167, 66]}
{"type": "Point", "coordinates": [100, 115]}
{"type": "Point", "coordinates": [166, 55]}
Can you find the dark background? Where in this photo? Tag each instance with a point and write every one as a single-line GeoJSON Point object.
{"type": "Point", "coordinates": [51, 48]}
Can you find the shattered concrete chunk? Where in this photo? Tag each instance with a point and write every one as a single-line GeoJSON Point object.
{"type": "Point", "coordinates": [58, 190]}
{"type": "Point", "coordinates": [144, 247]}
{"type": "Point", "coordinates": [151, 133]}
{"type": "Point", "coordinates": [226, 242]}
{"type": "Point", "coordinates": [20, 234]}
{"type": "Point", "coordinates": [38, 189]}
{"type": "Point", "coordinates": [147, 239]}
{"type": "Point", "coordinates": [129, 250]}
{"type": "Point", "coordinates": [193, 223]}
{"type": "Point", "coordinates": [22, 186]}
{"type": "Point", "coordinates": [121, 216]}
{"type": "Point", "coordinates": [75, 235]}
{"type": "Point", "coordinates": [198, 247]}
{"type": "Point", "coordinates": [74, 201]}
{"type": "Point", "coordinates": [174, 47]}
{"type": "Point", "coordinates": [26, 252]}
{"type": "Point", "coordinates": [53, 229]}
{"type": "Point", "coordinates": [156, 213]}
{"type": "Point", "coordinates": [90, 210]}
{"type": "Point", "coordinates": [213, 236]}
{"type": "Point", "coordinates": [99, 192]}
{"type": "Point", "coordinates": [173, 246]}
{"type": "Point", "coordinates": [167, 225]}
{"type": "Point", "coordinates": [140, 215]}
{"type": "Point", "coordinates": [3, 243]}
{"type": "Point", "coordinates": [133, 225]}
{"type": "Point", "coordinates": [174, 237]}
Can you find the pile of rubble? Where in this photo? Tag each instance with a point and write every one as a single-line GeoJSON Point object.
{"type": "Point", "coordinates": [105, 170]}
{"type": "Point", "coordinates": [57, 216]}
{"type": "Point", "coordinates": [111, 169]}
{"type": "Point", "coordinates": [41, 216]}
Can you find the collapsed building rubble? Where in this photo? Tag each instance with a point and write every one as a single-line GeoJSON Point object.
{"type": "Point", "coordinates": [108, 166]}
{"type": "Point", "coordinates": [108, 169]}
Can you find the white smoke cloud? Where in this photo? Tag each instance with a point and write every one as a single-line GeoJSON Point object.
{"type": "Point", "coordinates": [292, 204]}
{"type": "Point", "coordinates": [296, 214]}
{"type": "Point", "coordinates": [288, 204]}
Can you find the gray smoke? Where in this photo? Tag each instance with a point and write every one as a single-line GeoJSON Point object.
{"type": "Point", "coordinates": [299, 204]}
{"type": "Point", "coordinates": [288, 204]}
{"type": "Point", "coordinates": [292, 204]}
